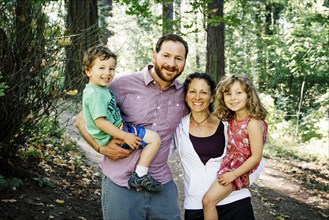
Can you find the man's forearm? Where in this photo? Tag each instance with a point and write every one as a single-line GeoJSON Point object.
{"type": "Point", "coordinates": [79, 123]}
{"type": "Point", "coordinates": [255, 175]}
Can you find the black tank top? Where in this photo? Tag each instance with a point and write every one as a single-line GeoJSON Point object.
{"type": "Point", "coordinates": [211, 146]}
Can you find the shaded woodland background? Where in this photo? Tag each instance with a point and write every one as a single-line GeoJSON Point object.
{"type": "Point", "coordinates": [282, 45]}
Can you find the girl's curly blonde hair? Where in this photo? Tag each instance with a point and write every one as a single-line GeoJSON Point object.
{"type": "Point", "coordinates": [254, 106]}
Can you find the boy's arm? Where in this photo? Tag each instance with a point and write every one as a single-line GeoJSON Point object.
{"type": "Point", "coordinates": [131, 139]}
{"type": "Point", "coordinates": [113, 150]}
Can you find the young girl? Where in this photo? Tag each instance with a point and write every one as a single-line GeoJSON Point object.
{"type": "Point", "coordinates": [236, 101]}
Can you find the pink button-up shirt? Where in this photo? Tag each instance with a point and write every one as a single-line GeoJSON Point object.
{"type": "Point", "coordinates": [142, 102]}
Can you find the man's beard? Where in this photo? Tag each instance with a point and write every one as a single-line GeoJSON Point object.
{"type": "Point", "coordinates": [163, 76]}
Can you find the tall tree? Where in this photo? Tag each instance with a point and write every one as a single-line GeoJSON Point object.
{"type": "Point", "coordinates": [167, 17]}
{"type": "Point", "coordinates": [20, 61]}
{"type": "Point", "coordinates": [104, 11]}
{"type": "Point", "coordinates": [178, 18]}
{"type": "Point", "coordinates": [82, 30]}
{"type": "Point", "coordinates": [26, 61]}
{"type": "Point", "coordinates": [215, 40]}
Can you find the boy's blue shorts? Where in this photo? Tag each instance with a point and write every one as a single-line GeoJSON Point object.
{"type": "Point", "coordinates": [138, 129]}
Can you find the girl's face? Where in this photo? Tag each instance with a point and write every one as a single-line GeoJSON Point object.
{"type": "Point", "coordinates": [236, 99]}
{"type": "Point", "coordinates": [198, 95]}
{"type": "Point", "coordinates": [102, 72]}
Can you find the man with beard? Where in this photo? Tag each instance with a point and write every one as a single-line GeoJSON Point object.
{"type": "Point", "coordinates": [155, 99]}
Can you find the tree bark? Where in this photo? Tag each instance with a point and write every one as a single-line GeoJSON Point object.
{"type": "Point", "coordinates": [167, 17]}
{"type": "Point", "coordinates": [215, 42]}
{"type": "Point", "coordinates": [82, 28]}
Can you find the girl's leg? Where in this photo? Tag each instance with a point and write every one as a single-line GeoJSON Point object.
{"type": "Point", "coordinates": [215, 193]}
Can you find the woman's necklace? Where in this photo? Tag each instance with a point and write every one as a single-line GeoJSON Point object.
{"type": "Point", "coordinates": [197, 128]}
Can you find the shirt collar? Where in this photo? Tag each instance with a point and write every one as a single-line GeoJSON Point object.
{"type": "Point", "coordinates": [149, 79]}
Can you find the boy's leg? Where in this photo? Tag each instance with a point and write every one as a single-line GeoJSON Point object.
{"type": "Point", "coordinates": [215, 193]}
{"type": "Point", "coordinates": [140, 178]}
{"type": "Point", "coordinates": [151, 149]}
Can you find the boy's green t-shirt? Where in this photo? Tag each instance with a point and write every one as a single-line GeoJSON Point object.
{"type": "Point", "coordinates": [99, 102]}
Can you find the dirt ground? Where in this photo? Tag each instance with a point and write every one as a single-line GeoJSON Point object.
{"type": "Point", "coordinates": [276, 195]}
{"type": "Point", "coordinates": [285, 190]}
{"type": "Point", "coordinates": [281, 194]}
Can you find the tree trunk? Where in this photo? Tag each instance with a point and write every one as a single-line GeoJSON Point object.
{"type": "Point", "coordinates": [167, 17]}
{"type": "Point", "coordinates": [82, 28]}
{"type": "Point", "coordinates": [178, 19]}
{"type": "Point", "coordinates": [215, 41]}
{"type": "Point", "coordinates": [105, 8]}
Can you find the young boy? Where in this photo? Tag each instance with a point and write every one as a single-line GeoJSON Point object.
{"type": "Point", "coordinates": [103, 119]}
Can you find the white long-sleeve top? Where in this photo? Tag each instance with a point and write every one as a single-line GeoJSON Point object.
{"type": "Point", "coordinates": [197, 176]}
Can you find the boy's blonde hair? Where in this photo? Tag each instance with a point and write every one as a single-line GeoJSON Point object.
{"type": "Point", "coordinates": [254, 106]}
{"type": "Point", "coordinates": [99, 51]}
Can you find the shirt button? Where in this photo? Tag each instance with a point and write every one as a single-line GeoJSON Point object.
{"type": "Point", "coordinates": [154, 124]}
{"type": "Point", "coordinates": [158, 107]}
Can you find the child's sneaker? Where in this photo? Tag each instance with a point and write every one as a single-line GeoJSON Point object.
{"type": "Point", "coordinates": [147, 182]}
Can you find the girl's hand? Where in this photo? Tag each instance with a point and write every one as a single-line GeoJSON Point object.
{"type": "Point", "coordinates": [132, 140]}
{"type": "Point", "coordinates": [226, 178]}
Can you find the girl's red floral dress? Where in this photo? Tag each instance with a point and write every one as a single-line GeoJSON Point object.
{"type": "Point", "coordinates": [238, 150]}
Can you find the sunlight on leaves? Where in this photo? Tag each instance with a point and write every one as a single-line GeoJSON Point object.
{"type": "Point", "coordinates": [59, 201]}
{"type": "Point", "coordinates": [71, 92]}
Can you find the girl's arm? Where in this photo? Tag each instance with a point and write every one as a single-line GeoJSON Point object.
{"type": "Point", "coordinates": [131, 139]}
{"type": "Point", "coordinates": [255, 131]}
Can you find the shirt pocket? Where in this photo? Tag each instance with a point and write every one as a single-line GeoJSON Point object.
{"type": "Point", "coordinates": [134, 108]}
{"type": "Point", "coordinates": [175, 111]}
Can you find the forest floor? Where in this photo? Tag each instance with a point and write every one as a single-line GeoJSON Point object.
{"type": "Point", "coordinates": [66, 184]}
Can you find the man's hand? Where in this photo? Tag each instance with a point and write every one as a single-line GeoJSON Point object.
{"type": "Point", "coordinates": [247, 183]}
{"type": "Point", "coordinates": [114, 151]}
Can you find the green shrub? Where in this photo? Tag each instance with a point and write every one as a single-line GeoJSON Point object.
{"type": "Point", "coordinates": [13, 183]}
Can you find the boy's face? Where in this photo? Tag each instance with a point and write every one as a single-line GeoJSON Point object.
{"type": "Point", "coordinates": [102, 71]}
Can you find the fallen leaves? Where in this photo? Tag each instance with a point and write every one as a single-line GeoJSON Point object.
{"type": "Point", "coordinates": [59, 201]}
{"type": "Point", "coordinates": [8, 200]}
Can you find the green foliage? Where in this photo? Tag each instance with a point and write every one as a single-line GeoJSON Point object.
{"type": "Point", "coordinates": [44, 181]}
{"type": "Point", "coordinates": [281, 141]}
{"type": "Point", "coordinates": [3, 86]}
{"type": "Point", "coordinates": [315, 122]}
{"type": "Point", "coordinates": [7, 182]}
{"type": "Point", "coordinates": [34, 72]}
{"type": "Point", "coordinates": [136, 7]}
{"type": "Point", "coordinates": [282, 45]}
